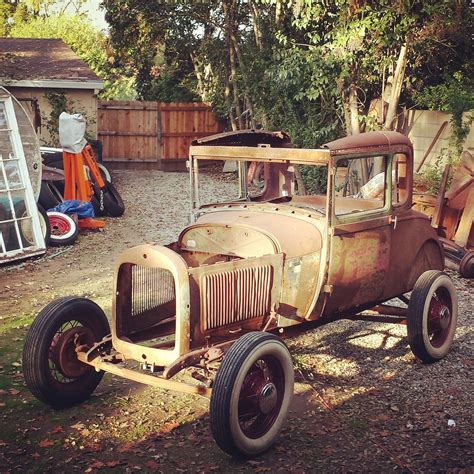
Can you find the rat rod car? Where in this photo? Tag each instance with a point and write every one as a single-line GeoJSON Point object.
{"type": "Point", "coordinates": [279, 255]}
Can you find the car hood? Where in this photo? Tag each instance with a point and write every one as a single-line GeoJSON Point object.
{"type": "Point", "coordinates": [252, 233]}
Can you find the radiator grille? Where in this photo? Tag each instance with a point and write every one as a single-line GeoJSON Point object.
{"type": "Point", "coordinates": [236, 295]}
{"type": "Point", "coordinates": [151, 287]}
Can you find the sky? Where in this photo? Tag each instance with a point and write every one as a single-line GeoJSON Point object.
{"type": "Point", "coordinates": [94, 12]}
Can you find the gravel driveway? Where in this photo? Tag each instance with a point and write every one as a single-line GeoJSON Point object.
{"type": "Point", "coordinates": [362, 403]}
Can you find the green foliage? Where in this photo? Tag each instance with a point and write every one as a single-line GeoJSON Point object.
{"type": "Point", "coordinates": [430, 177]}
{"type": "Point", "coordinates": [287, 65]}
{"type": "Point", "coordinates": [315, 179]}
{"type": "Point", "coordinates": [455, 96]}
{"type": "Point", "coordinates": [61, 103]}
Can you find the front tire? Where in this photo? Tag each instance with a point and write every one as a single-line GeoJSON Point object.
{"type": "Point", "coordinates": [51, 369]}
{"type": "Point", "coordinates": [432, 316]}
{"type": "Point", "coordinates": [251, 395]}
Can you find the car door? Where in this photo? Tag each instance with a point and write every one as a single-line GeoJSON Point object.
{"type": "Point", "coordinates": [360, 247]}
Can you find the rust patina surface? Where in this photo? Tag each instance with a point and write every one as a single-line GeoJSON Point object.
{"type": "Point", "coordinates": [286, 251]}
{"type": "Point", "coordinates": [275, 258]}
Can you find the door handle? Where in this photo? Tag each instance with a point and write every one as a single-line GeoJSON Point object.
{"type": "Point", "coordinates": [393, 220]}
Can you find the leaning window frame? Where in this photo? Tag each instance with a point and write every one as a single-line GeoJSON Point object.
{"type": "Point", "coordinates": [18, 155]}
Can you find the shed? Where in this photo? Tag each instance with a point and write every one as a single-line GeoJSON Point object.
{"type": "Point", "coordinates": [30, 69]}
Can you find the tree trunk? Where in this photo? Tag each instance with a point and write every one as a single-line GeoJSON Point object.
{"type": "Point", "coordinates": [256, 29]}
{"type": "Point", "coordinates": [240, 59]}
{"type": "Point", "coordinates": [354, 110]}
{"type": "Point", "coordinates": [229, 13]}
{"type": "Point", "coordinates": [345, 106]}
{"type": "Point", "coordinates": [396, 88]}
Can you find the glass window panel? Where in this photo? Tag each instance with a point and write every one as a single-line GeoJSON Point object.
{"type": "Point", "coordinates": [10, 237]}
{"type": "Point", "coordinates": [3, 118]}
{"type": "Point", "coordinates": [18, 198]}
{"type": "Point", "coordinates": [13, 174]}
{"type": "Point", "coordinates": [400, 179]}
{"type": "Point", "coordinates": [360, 185]}
{"type": "Point", "coordinates": [6, 149]}
{"type": "Point", "coordinates": [26, 231]}
{"type": "Point", "coordinates": [3, 186]}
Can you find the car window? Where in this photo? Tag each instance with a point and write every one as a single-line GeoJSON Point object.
{"type": "Point", "coordinates": [360, 185]}
{"type": "Point", "coordinates": [400, 185]}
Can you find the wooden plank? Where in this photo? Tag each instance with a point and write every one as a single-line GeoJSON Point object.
{"type": "Point", "coordinates": [467, 218]}
{"type": "Point", "coordinates": [435, 139]}
{"type": "Point", "coordinates": [111, 133]}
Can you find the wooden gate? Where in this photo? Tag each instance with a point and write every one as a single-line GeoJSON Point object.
{"type": "Point", "coordinates": [154, 134]}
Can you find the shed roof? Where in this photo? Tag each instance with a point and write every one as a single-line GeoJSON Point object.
{"type": "Point", "coordinates": [28, 62]}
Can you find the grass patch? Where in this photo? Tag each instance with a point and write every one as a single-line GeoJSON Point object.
{"type": "Point", "coordinates": [359, 424]}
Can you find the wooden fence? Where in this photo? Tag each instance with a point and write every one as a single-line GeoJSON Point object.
{"type": "Point", "coordinates": [156, 134]}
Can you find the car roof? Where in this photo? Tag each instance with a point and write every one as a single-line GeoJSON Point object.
{"type": "Point", "coordinates": [386, 141]}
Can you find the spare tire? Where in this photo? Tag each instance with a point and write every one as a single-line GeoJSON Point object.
{"type": "Point", "coordinates": [64, 229]}
{"type": "Point", "coordinates": [50, 196]}
{"type": "Point", "coordinates": [112, 203]}
{"type": "Point", "coordinates": [25, 226]}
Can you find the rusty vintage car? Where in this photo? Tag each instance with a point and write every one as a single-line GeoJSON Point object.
{"type": "Point", "coordinates": [277, 256]}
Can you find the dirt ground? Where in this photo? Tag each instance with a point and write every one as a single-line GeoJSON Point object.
{"type": "Point", "coordinates": [363, 403]}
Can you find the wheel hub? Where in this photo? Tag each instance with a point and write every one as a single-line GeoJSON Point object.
{"type": "Point", "coordinates": [64, 351]}
{"type": "Point", "coordinates": [268, 398]}
{"type": "Point", "coordinates": [440, 316]}
{"type": "Point", "coordinates": [444, 317]}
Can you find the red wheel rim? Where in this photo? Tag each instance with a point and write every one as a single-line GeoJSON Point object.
{"type": "Point", "coordinates": [63, 363]}
{"type": "Point", "coordinates": [59, 225]}
{"type": "Point", "coordinates": [439, 317]}
{"type": "Point", "coordinates": [261, 397]}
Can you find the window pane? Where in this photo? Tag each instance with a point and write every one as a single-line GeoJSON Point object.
{"type": "Point", "coordinates": [13, 174]}
{"type": "Point", "coordinates": [3, 118]}
{"type": "Point", "coordinates": [400, 192]}
{"type": "Point", "coordinates": [360, 185]}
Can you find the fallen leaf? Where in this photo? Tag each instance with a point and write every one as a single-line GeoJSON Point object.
{"type": "Point", "coordinates": [96, 464]}
{"type": "Point", "coordinates": [125, 447]}
{"type": "Point", "coordinates": [14, 391]}
{"type": "Point", "coordinates": [78, 426]}
{"type": "Point", "coordinates": [152, 464]}
{"type": "Point", "coordinates": [57, 429]}
{"type": "Point", "coordinates": [113, 463]}
{"type": "Point", "coordinates": [3, 392]}
{"type": "Point", "coordinates": [45, 443]}
{"type": "Point", "coordinates": [167, 427]}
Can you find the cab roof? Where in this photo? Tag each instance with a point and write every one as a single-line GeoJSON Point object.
{"type": "Point", "coordinates": [264, 145]}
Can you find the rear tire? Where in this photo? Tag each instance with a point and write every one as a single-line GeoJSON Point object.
{"type": "Point", "coordinates": [251, 394]}
{"type": "Point", "coordinates": [466, 265]}
{"type": "Point", "coordinates": [432, 316]}
{"type": "Point", "coordinates": [50, 366]}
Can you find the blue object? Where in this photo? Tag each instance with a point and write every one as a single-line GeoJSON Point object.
{"type": "Point", "coordinates": [73, 206]}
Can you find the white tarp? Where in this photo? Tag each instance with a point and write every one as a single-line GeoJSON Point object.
{"type": "Point", "coordinates": [71, 132]}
